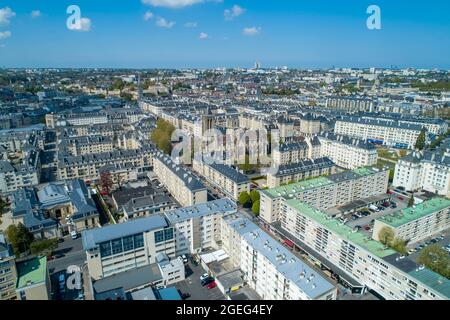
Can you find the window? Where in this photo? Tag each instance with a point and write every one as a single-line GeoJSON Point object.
{"type": "Point", "coordinates": [138, 241]}
{"type": "Point", "coordinates": [105, 249]}
{"type": "Point", "coordinates": [128, 244]}
{"type": "Point", "coordinates": [116, 246]}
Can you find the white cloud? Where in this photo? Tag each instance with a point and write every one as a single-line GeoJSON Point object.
{"type": "Point", "coordinates": [234, 12]}
{"type": "Point", "coordinates": [252, 31]}
{"type": "Point", "coordinates": [36, 14]}
{"type": "Point", "coordinates": [191, 24]}
{"type": "Point", "coordinates": [175, 4]}
{"type": "Point", "coordinates": [203, 36]}
{"type": "Point", "coordinates": [5, 35]}
{"type": "Point", "coordinates": [148, 16]}
{"type": "Point", "coordinates": [85, 25]}
{"type": "Point", "coordinates": [163, 23]}
{"type": "Point", "coordinates": [6, 14]}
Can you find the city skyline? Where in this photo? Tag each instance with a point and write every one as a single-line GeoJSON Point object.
{"type": "Point", "coordinates": [214, 33]}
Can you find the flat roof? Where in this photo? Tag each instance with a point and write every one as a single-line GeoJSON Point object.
{"type": "Point", "coordinates": [222, 205]}
{"type": "Point", "coordinates": [401, 217]}
{"type": "Point", "coordinates": [294, 188]}
{"type": "Point", "coordinates": [342, 230]}
{"type": "Point", "coordinates": [31, 272]}
{"type": "Point", "coordinates": [91, 238]}
{"type": "Point", "coordinates": [282, 259]}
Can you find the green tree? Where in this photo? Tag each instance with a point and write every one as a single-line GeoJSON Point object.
{"type": "Point", "coordinates": [20, 238]}
{"type": "Point", "coordinates": [435, 258]}
{"type": "Point", "coordinates": [386, 235]}
{"type": "Point", "coordinates": [411, 201]}
{"type": "Point", "coordinates": [255, 196]}
{"type": "Point", "coordinates": [245, 200]}
{"type": "Point", "coordinates": [43, 246]}
{"type": "Point", "coordinates": [256, 207]}
{"type": "Point", "coordinates": [399, 245]}
{"type": "Point", "coordinates": [421, 140]}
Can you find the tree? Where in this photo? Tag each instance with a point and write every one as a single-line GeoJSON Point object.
{"type": "Point", "coordinates": [256, 207]}
{"type": "Point", "coordinates": [106, 181]}
{"type": "Point", "coordinates": [436, 259]}
{"type": "Point", "coordinates": [254, 196]}
{"type": "Point", "coordinates": [411, 201]}
{"type": "Point", "coordinates": [421, 140]}
{"type": "Point", "coordinates": [43, 246]}
{"type": "Point", "coordinates": [399, 245]}
{"type": "Point", "coordinates": [245, 200]}
{"type": "Point", "coordinates": [386, 235]}
{"type": "Point", "coordinates": [20, 238]}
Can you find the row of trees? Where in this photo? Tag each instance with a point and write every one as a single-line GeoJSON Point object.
{"type": "Point", "coordinates": [250, 200]}
{"type": "Point", "coordinates": [162, 135]}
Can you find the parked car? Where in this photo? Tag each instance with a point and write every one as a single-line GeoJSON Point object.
{"type": "Point", "coordinates": [74, 235]}
{"type": "Point", "coordinates": [184, 258]}
{"type": "Point", "coordinates": [204, 276]}
{"type": "Point", "coordinates": [207, 281]}
{"type": "Point", "coordinates": [212, 285]}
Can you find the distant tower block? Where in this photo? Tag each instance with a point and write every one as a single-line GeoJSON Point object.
{"type": "Point", "coordinates": [257, 65]}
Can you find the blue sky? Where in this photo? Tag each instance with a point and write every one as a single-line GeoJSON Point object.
{"type": "Point", "coordinates": [295, 33]}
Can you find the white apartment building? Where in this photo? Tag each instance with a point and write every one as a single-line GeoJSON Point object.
{"type": "Point", "coordinates": [270, 268]}
{"type": "Point", "coordinates": [305, 169]}
{"type": "Point", "coordinates": [27, 173]}
{"type": "Point", "coordinates": [295, 152]}
{"type": "Point", "coordinates": [348, 153]}
{"type": "Point", "coordinates": [416, 223]}
{"type": "Point", "coordinates": [86, 145]}
{"type": "Point", "coordinates": [227, 179]}
{"type": "Point", "coordinates": [197, 228]}
{"type": "Point", "coordinates": [360, 257]}
{"type": "Point", "coordinates": [429, 171]}
{"type": "Point", "coordinates": [121, 247]}
{"type": "Point", "coordinates": [381, 131]}
{"type": "Point", "coordinates": [185, 188]}
{"type": "Point", "coordinates": [325, 192]}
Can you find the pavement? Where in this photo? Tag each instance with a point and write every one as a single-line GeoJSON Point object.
{"type": "Point", "coordinates": [72, 255]}
{"type": "Point", "coordinates": [6, 220]}
{"type": "Point", "coordinates": [193, 286]}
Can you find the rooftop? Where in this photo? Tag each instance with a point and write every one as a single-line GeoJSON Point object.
{"type": "Point", "coordinates": [31, 272]}
{"type": "Point", "coordinates": [91, 238]}
{"type": "Point", "coordinates": [342, 230]}
{"type": "Point", "coordinates": [204, 209]}
{"type": "Point", "coordinates": [407, 215]}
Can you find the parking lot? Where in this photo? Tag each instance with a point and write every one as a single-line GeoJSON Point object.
{"type": "Point", "coordinates": [417, 247]}
{"type": "Point", "coordinates": [366, 221]}
{"type": "Point", "coordinates": [193, 287]}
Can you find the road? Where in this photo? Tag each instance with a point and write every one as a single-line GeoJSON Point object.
{"type": "Point", "coordinates": [73, 254]}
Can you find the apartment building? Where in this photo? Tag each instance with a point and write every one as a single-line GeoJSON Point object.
{"type": "Point", "coordinates": [346, 152]}
{"type": "Point", "coordinates": [86, 145]}
{"type": "Point", "coordinates": [15, 140]}
{"type": "Point", "coordinates": [416, 223]}
{"type": "Point", "coordinates": [273, 271]}
{"type": "Point", "coordinates": [87, 167]}
{"type": "Point", "coordinates": [427, 170]}
{"type": "Point", "coordinates": [305, 169]}
{"type": "Point", "coordinates": [21, 173]}
{"type": "Point", "coordinates": [75, 119]}
{"type": "Point", "coordinates": [55, 209]}
{"type": "Point", "coordinates": [133, 244]}
{"type": "Point", "coordinates": [197, 228]}
{"type": "Point", "coordinates": [104, 130]}
{"type": "Point", "coordinates": [325, 192]}
{"type": "Point", "coordinates": [295, 152]}
{"type": "Point", "coordinates": [227, 179]}
{"type": "Point", "coordinates": [309, 125]}
{"type": "Point", "coordinates": [380, 131]}
{"type": "Point", "coordinates": [33, 280]}
{"type": "Point", "coordinates": [354, 254]}
{"type": "Point", "coordinates": [182, 185]}
{"type": "Point", "coordinates": [8, 272]}
{"type": "Point", "coordinates": [350, 104]}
